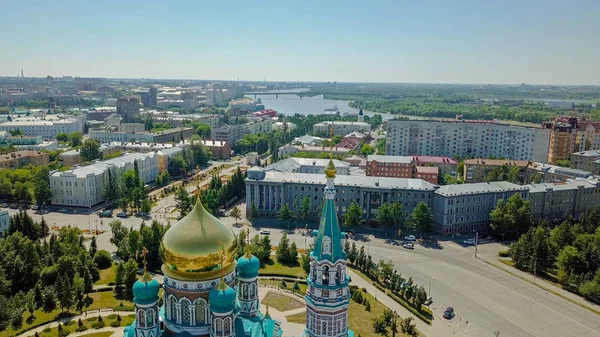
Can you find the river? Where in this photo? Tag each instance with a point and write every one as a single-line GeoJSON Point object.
{"type": "Point", "coordinates": [292, 104]}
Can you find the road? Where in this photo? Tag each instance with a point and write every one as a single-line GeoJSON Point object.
{"type": "Point", "coordinates": [485, 298]}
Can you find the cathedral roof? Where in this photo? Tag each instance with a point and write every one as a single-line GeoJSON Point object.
{"type": "Point", "coordinates": [222, 298]}
{"type": "Point", "coordinates": [145, 290]}
{"type": "Point", "coordinates": [248, 265]}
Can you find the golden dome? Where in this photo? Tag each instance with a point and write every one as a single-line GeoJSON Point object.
{"type": "Point", "coordinates": [330, 169]}
{"type": "Point", "coordinates": [193, 248]}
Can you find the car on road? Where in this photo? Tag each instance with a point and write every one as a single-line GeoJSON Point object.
{"type": "Point", "coordinates": [35, 207]}
{"type": "Point", "coordinates": [122, 214]}
{"type": "Point", "coordinates": [428, 301]}
{"type": "Point", "coordinates": [410, 238]}
{"type": "Point", "coordinates": [449, 313]}
{"type": "Point", "coordinates": [469, 242]}
{"type": "Point", "coordinates": [75, 211]}
{"type": "Point", "coordinates": [62, 210]}
{"type": "Point", "coordinates": [265, 232]}
{"type": "Point", "coordinates": [408, 246]}
{"type": "Point", "coordinates": [106, 214]}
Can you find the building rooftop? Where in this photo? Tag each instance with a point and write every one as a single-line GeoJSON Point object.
{"type": "Point", "coordinates": [497, 162]}
{"type": "Point", "coordinates": [325, 123]}
{"type": "Point", "coordinates": [435, 160]}
{"type": "Point", "coordinates": [390, 159]}
{"type": "Point", "coordinates": [427, 169]}
{"type": "Point", "coordinates": [590, 153]}
{"type": "Point", "coordinates": [101, 166]}
{"type": "Point", "coordinates": [567, 171]}
{"type": "Point", "coordinates": [491, 187]}
{"type": "Point", "coordinates": [570, 184]}
{"type": "Point", "coordinates": [350, 180]}
{"type": "Point", "coordinates": [294, 164]}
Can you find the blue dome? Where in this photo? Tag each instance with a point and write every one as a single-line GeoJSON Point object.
{"type": "Point", "coordinates": [222, 298]}
{"type": "Point", "coordinates": [248, 266]}
{"type": "Point", "coordinates": [145, 290]}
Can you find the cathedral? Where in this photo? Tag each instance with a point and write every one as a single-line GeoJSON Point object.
{"type": "Point", "coordinates": [206, 292]}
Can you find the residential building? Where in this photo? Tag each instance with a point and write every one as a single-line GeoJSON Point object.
{"type": "Point", "coordinates": [47, 145]}
{"type": "Point", "coordinates": [307, 165]}
{"type": "Point", "coordinates": [4, 222]}
{"type": "Point", "coordinates": [83, 186]}
{"type": "Point", "coordinates": [129, 108]}
{"type": "Point", "coordinates": [466, 139]}
{"type": "Point", "coordinates": [466, 207]}
{"type": "Point", "coordinates": [15, 160]}
{"type": "Point", "coordinates": [552, 173]}
{"type": "Point", "coordinates": [584, 160]}
{"type": "Point", "coordinates": [99, 114]}
{"type": "Point", "coordinates": [23, 140]}
{"type": "Point", "coordinates": [258, 125]}
{"type": "Point", "coordinates": [477, 170]}
{"type": "Point", "coordinates": [73, 157]}
{"type": "Point", "coordinates": [571, 134]}
{"type": "Point", "coordinates": [446, 165]}
{"type": "Point", "coordinates": [557, 201]}
{"type": "Point", "coordinates": [428, 173]}
{"type": "Point", "coordinates": [339, 128]}
{"type": "Point", "coordinates": [174, 135]}
{"type": "Point", "coordinates": [308, 140]}
{"type": "Point", "coordinates": [45, 127]}
{"type": "Point", "coordinates": [165, 157]}
{"type": "Point", "coordinates": [229, 133]}
{"type": "Point", "coordinates": [562, 143]}
{"type": "Point", "coordinates": [219, 149]}
{"type": "Point", "coordinates": [269, 190]}
{"type": "Point", "coordinates": [288, 150]}
{"type": "Point", "coordinates": [280, 126]}
{"type": "Point", "coordinates": [390, 166]}
{"type": "Point", "coordinates": [150, 98]}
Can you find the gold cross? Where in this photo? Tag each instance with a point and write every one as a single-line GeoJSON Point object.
{"type": "Point", "coordinates": [145, 253]}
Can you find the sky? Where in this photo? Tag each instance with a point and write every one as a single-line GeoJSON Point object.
{"type": "Point", "coordinates": [428, 41]}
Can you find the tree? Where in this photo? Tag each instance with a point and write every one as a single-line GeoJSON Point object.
{"type": "Point", "coordinates": [285, 214]}
{"type": "Point", "coordinates": [305, 207]}
{"type": "Point", "coordinates": [48, 299]}
{"type": "Point", "coordinates": [236, 214]}
{"type": "Point", "coordinates": [75, 138]}
{"type": "Point", "coordinates": [119, 233]}
{"type": "Point", "coordinates": [102, 259]}
{"type": "Point", "coordinates": [62, 137]}
{"type": "Point", "coordinates": [203, 130]}
{"type": "Point", "coordinates": [146, 206]}
{"type": "Point", "coordinates": [283, 250]}
{"type": "Point", "coordinates": [408, 327]}
{"type": "Point", "coordinates": [183, 200]}
{"type": "Point", "coordinates": [79, 292]}
{"type": "Point", "coordinates": [379, 325]}
{"type": "Point", "coordinates": [353, 216]}
{"type": "Point", "coordinates": [42, 192]}
{"type": "Point", "coordinates": [119, 278]}
{"type": "Point", "coordinates": [421, 218]}
{"type": "Point", "coordinates": [366, 150]}
{"type": "Point", "coordinates": [511, 216]}
{"type": "Point", "coordinates": [305, 263]}
{"type": "Point", "coordinates": [64, 293]}
{"type": "Point", "coordinates": [130, 272]}
{"type": "Point", "coordinates": [253, 214]}
{"type": "Point", "coordinates": [90, 150]}
{"type": "Point", "coordinates": [93, 246]}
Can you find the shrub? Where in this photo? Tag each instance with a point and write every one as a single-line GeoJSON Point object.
{"type": "Point", "coordinates": [98, 325]}
{"type": "Point", "coordinates": [368, 306]}
{"type": "Point", "coordinates": [364, 290]}
{"type": "Point", "coordinates": [59, 328]}
{"type": "Point", "coordinates": [115, 324]}
{"type": "Point", "coordinates": [103, 259]}
{"type": "Point", "coordinates": [81, 328]}
{"type": "Point", "coordinates": [112, 316]}
{"type": "Point", "coordinates": [92, 319]}
{"type": "Point", "coordinates": [63, 333]}
{"type": "Point", "coordinates": [504, 253]}
{"type": "Point", "coordinates": [79, 322]}
{"type": "Point", "coordinates": [46, 330]}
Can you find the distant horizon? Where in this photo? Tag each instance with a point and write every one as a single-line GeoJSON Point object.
{"type": "Point", "coordinates": [386, 41]}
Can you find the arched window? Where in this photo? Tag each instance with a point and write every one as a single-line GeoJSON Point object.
{"type": "Point", "coordinates": [326, 275]}
{"type": "Point", "coordinates": [141, 319]}
{"type": "Point", "coordinates": [185, 312]}
{"type": "Point", "coordinates": [245, 291]}
{"type": "Point", "coordinates": [337, 327]}
{"type": "Point", "coordinates": [150, 317]}
{"type": "Point", "coordinates": [173, 309]}
{"type": "Point", "coordinates": [227, 326]}
{"type": "Point", "coordinates": [252, 290]}
{"type": "Point", "coordinates": [218, 325]}
{"type": "Point", "coordinates": [200, 312]}
{"type": "Point", "coordinates": [324, 328]}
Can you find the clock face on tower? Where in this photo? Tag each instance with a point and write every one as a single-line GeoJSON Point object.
{"type": "Point", "coordinates": [326, 245]}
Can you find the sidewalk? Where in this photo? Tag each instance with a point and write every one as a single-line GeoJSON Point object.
{"type": "Point", "coordinates": [567, 295]}
{"type": "Point", "coordinates": [439, 327]}
{"type": "Point", "coordinates": [54, 324]}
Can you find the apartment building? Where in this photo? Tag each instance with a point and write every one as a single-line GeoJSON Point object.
{"type": "Point", "coordinates": [556, 201]}
{"type": "Point", "coordinates": [288, 150]}
{"type": "Point", "coordinates": [228, 133]}
{"type": "Point", "coordinates": [477, 170]}
{"type": "Point", "coordinates": [466, 207]}
{"type": "Point", "coordinates": [446, 165]}
{"type": "Point", "coordinates": [129, 108]}
{"type": "Point", "coordinates": [166, 136]}
{"type": "Point", "coordinates": [390, 166]}
{"type": "Point", "coordinates": [4, 222]}
{"type": "Point", "coordinates": [73, 157]}
{"type": "Point", "coordinates": [466, 139]}
{"type": "Point", "coordinates": [585, 160]}
{"type": "Point", "coordinates": [571, 134]}
{"type": "Point", "coordinates": [552, 173]}
{"type": "Point", "coordinates": [47, 129]}
{"type": "Point", "coordinates": [339, 128]}
{"type": "Point", "coordinates": [430, 174]}
{"type": "Point", "coordinates": [270, 190]}
{"type": "Point", "coordinates": [307, 165]}
{"type": "Point", "coordinates": [83, 186]}
{"type": "Point", "coordinates": [15, 160]}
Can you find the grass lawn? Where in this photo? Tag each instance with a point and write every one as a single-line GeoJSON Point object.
{"type": "Point", "coordinates": [106, 299]}
{"type": "Point", "coordinates": [274, 267]}
{"type": "Point", "coordinates": [359, 319]}
{"type": "Point", "coordinates": [72, 326]}
{"type": "Point", "coordinates": [281, 302]}
{"type": "Point", "coordinates": [290, 285]}
{"type": "Point", "coordinates": [107, 275]}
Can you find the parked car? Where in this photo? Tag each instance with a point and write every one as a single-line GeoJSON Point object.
{"type": "Point", "coordinates": [408, 246]}
{"type": "Point", "coordinates": [469, 242]}
{"type": "Point", "coordinates": [265, 232]}
{"type": "Point", "coordinates": [13, 206]}
{"type": "Point", "coordinates": [35, 207]}
{"type": "Point", "coordinates": [62, 210]}
{"type": "Point", "coordinates": [410, 238]}
{"type": "Point", "coordinates": [4, 205]}
{"type": "Point", "coordinates": [449, 313]}
{"type": "Point", "coordinates": [122, 214]}
{"type": "Point", "coordinates": [428, 301]}
{"type": "Point", "coordinates": [106, 214]}
{"type": "Point", "coordinates": [75, 211]}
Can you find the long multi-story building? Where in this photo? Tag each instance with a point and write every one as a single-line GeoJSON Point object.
{"type": "Point", "coordinates": [556, 201]}
{"type": "Point", "coordinates": [466, 139]}
{"type": "Point", "coordinates": [552, 173]}
{"type": "Point", "coordinates": [339, 128]}
{"type": "Point", "coordinates": [15, 160]}
{"type": "Point", "coordinates": [229, 133]}
{"type": "Point", "coordinates": [571, 134]}
{"type": "Point", "coordinates": [307, 165]}
{"type": "Point", "coordinates": [585, 160]}
{"type": "Point", "coordinates": [83, 186]}
{"type": "Point", "coordinates": [106, 135]}
{"type": "Point", "coordinates": [46, 128]}
{"type": "Point", "coordinates": [390, 166]}
{"type": "Point", "coordinates": [477, 170]}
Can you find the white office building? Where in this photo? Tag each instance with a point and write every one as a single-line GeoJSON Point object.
{"type": "Point", "coordinates": [466, 139]}
{"type": "Point", "coordinates": [83, 186]}
{"type": "Point", "coordinates": [340, 128]}
{"type": "Point", "coordinates": [45, 127]}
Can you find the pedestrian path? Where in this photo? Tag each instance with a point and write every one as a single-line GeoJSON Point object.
{"type": "Point", "coordinates": [84, 316]}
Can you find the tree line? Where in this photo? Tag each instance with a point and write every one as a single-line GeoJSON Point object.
{"type": "Point", "coordinates": [391, 216]}
{"type": "Point", "coordinates": [128, 190]}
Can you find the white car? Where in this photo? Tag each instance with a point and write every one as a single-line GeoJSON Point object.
{"type": "Point", "coordinates": [408, 246]}
{"type": "Point", "coordinates": [469, 242]}
{"type": "Point", "coordinates": [265, 232]}
{"type": "Point", "coordinates": [34, 207]}
{"type": "Point", "coordinates": [410, 238]}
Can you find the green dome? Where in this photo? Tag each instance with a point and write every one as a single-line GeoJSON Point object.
{"type": "Point", "coordinates": [222, 298]}
{"type": "Point", "coordinates": [145, 290]}
{"type": "Point", "coordinates": [248, 266]}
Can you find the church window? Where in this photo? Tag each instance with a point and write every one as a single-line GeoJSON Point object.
{"type": "Point", "coordinates": [325, 293]}
{"type": "Point", "coordinates": [326, 275]}
{"type": "Point", "coordinates": [324, 328]}
{"type": "Point", "coordinates": [185, 312]}
{"type": "Point", "coordinates": [252, 291]}
{"type": "Point", "coordinates": [200, 314]}
{"type": "Point", "coordinates": [226, 325]}
{"type": "Point", "coordinates": [150, 317]}
{"type": "Point", "coordinates": [218, 325]}
{"type": "Point", "coordinates": [337, 327]}
{"type": "Point", "coordinates": [173, 309]}
{"type": "Point", "coordinates": [140, 318]}
{"type": "Point", "coordinates": [245, 291]}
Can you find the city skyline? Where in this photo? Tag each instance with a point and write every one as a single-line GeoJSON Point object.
{"type": "Point", "coordinates": [469, 42]}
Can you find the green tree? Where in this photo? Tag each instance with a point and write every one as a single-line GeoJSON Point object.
{"type": "Point", "coordinates": [366, 150]}
{"type": "Point", "coordinates": [75, 138]}
{"type": "Point", "coordinates": [183, 200]}
{"type": "Point", "coordinates": [42, 192]}
{"type": "Point", "coordinates": [511, 216]}
{"type": "Point", "coordinates": [48, 299]}
{"type": "Point", "coordinates": [64, 293]}
{"type": "Point", "coordinates": [62, 137]}
{"type": "Point", "coordinates": [283, 250]}
{"type": "Point", "coordinates": [421, 218]}
{"type": "Point", "coordinates": [253, 214]}
{"type": "Point", "coordinates": [119, 278]}
{"type": "Point", "coordinates": [305, 263]}
{"type": "Point", "coordinates": [236, 213]}
{"type": "Point", "coordinates": [353, 216]}
{"type": "Point", "coordinates": [93, 246]}
{"type": "Point", "coordinates": [203, 130]}
{"type": "Point", "coordinates": [408, 327]}
{"type": "Point", "coordinates": [146, 206]}
{"type": "Point", "coordinates": [90, 150]}
{"type": "Point", "coordinates": [285, 214]}
{"type": "Point", "coordinates": [129, 275]}
{"type": "Point", "coordinates": [79, 292]}
{"type": "Point", "coordinates": [305, 208]}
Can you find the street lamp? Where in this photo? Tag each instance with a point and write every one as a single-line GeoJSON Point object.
{"type": "Point", "coordinates": [434, 277]}
{"type": "Point", "coordinates": [476, 236]}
